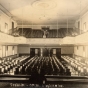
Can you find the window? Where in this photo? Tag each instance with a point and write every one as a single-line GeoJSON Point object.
{"type": "Point", "coordinates": [78, 24]}
{"type": "Point", "coordinates": [6, 50]}
{"type": "Point", "coordinates": [0, 27]}
{"type": "Point", "coordinates": [77, 47]}
{"type": "Point", "coordinates": [84, 27]}
{"type": "Point", "coordinates": [13, 50]}
{"type": "Point", "coordinates": [6, 28]}
{"type": "Point", "coordinates": [0, 22]}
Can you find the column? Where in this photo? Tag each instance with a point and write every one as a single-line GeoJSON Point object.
{"type": "Point", "coordinates": [41, 52]}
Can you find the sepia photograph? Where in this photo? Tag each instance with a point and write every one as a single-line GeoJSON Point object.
{"type": "Point", "coordinates": [43, 43]}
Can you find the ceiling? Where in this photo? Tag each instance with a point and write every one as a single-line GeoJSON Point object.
{"type": "Point", "coordinates": [45, 12]}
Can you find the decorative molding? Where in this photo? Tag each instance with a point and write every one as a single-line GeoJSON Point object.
{"type": "Point", "coordinates": [44, 4]}
{"type": "Point", "coordinates": [51, 26]}
{"type": "Point", "coordinates": [5, 11]}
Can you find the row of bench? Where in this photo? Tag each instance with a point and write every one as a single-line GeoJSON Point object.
{"type": "Point", "coordinates": [11, 66]}
{"type": "Point", "coordinates": [46, 66]}
{"type": "Point", "coordinates": [79, 67]}
{"type": "Point", "coordinates": [37, 65]}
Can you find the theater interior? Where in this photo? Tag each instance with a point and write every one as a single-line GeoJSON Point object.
{"type": "Point", "coordinates": [43, 43]}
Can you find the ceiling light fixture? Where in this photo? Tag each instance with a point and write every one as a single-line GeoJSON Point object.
{"type": "Point", "coordinates": [44, 4]}
{"type": "Point", "coordinates": [44, 17]}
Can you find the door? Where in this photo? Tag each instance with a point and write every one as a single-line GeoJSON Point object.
{"type": "Point", "coordinates": [58, 52]}
{"type": "Point", "coordinates": [12, 27]}
{"type": "Point", "coordinates": [32, 52]}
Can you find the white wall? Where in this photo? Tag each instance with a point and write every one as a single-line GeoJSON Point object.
{"type": "Point", "coordinates": [8, 50]}
{"type": "Point", "coordinates": [0, 51]}
{"type": "Point", "coordinates": [23, 49]}
{"type": "Point", "coordinates": [67, 50]}
{"type": "Point", "coordinates": [81, 51]}
{"type": "Point", "coordinates": [8, 20]}
{"type": "Point", "coordinates": [15, 50]}
{"type": "Point", "coordinates": [64, 50]}
{"type": "Point", "coordinates": [83, 19]}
